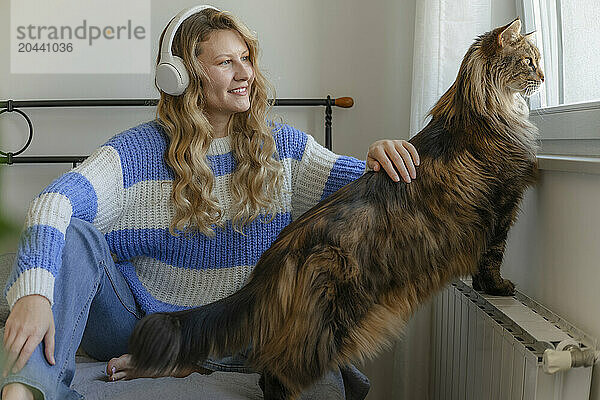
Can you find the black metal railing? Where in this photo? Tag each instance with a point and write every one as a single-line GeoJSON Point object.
{"type": "Point", "coordinates": [11, 158]}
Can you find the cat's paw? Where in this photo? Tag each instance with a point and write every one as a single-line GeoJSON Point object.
{"type": "Point", "coordinates": [504, 288]}
{"type": "Point", "coordinates": [493, 285]}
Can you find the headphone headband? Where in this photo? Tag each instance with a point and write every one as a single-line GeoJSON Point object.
{"type": "Point", "coordinates": [171, 74]}
{"type": "Point", "coordinates": [175, 23]}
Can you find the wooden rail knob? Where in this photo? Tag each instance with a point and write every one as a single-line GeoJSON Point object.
{"type": "Point", "coordinates": [344, 102]}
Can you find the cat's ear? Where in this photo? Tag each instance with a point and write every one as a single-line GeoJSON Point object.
{"type": "Point", "coordinates": [510, 33]}
{"type": "Point", "coordinates": [530, 35]}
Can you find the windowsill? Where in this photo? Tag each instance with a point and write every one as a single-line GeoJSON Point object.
{"type": "Point", "coordinates": [586, 165]}
{"type": "Point", "coordinates": [568, 122]}
{"type": "Point", "coordinates": [564, 108]}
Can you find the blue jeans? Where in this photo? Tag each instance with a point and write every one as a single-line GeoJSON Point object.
{"type": "Point", "coordinates": [93, 306]}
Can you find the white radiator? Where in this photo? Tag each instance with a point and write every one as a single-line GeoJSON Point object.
{"type": "Point", "coordinates": [487, 348]}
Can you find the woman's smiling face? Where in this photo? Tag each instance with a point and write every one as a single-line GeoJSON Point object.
{"type": "Point", "coordinates": [226, 59]}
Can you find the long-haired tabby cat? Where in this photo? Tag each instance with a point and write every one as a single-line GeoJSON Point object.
{"type": "Point", "coordinates": [340, 281]}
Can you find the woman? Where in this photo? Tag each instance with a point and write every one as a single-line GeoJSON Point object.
{"type": "Point", "coordinates": [167, 215]}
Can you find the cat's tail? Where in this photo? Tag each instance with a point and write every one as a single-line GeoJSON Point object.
{"type": "Point", "coordinates": [162, 342]}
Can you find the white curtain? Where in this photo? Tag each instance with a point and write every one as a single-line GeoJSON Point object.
{"type": "Point", "coordinates": [444, 30]}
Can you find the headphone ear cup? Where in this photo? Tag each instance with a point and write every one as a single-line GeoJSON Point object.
{"type": "Point", "coordinates": [172, 76]}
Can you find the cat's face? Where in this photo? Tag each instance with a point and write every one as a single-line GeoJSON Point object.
{"type": "Point", "coordinates": [517, 59]}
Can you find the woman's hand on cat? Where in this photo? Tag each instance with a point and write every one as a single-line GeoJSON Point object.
{"type": "Point", "coordinates": [401, 153]}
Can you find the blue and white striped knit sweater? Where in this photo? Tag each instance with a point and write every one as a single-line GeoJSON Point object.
{"type": "Point", "coordinates": [124, 189]}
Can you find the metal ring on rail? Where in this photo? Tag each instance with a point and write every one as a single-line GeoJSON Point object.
{"type": "Point", "coordinates": [11, 109]}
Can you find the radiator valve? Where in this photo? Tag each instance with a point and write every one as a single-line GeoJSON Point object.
{"type": "Point", "coordinates": [568, 355]}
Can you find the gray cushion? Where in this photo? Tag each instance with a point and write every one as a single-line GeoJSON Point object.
{"type": "Point", "coordinates": [91, 381]}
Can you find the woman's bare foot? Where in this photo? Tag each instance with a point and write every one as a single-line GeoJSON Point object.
{"type": "Point", "coordinates": [120, 369]}
{"type": "Point", "coordinates": [16, 391]}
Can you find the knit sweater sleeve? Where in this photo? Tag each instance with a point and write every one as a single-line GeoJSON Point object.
{"type": "Point", "coordinates": [318, 172]}
{"type": "Point", "coordinates": [93, 191]}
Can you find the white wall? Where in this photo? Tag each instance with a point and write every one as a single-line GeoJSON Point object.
{"type": "Point", "coordinates": [310, 48]}
{"type": "Point", "coordinates": [552, 253]}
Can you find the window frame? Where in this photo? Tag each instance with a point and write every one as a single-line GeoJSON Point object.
{"type": "Point", "coordinates": [571, 129]}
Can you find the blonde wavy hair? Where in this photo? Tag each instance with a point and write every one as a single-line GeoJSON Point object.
{"type": "Point", "coordinates": [258, 177]}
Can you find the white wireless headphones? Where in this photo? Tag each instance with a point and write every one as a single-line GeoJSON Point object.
{"type": "Point", "coordinates": [171, 75]}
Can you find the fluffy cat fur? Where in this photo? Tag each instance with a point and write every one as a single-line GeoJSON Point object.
{"type": "Point", "coordinates": [339, 282]}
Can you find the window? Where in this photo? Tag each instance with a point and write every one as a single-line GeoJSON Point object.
{"type": "Point", "coordinates": [568, 104]}
{"type": "Point", "coordinates": [567, 35]}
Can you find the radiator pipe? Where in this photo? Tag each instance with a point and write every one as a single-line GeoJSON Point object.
{"type": "Point", "coordinates": [568, 355]}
